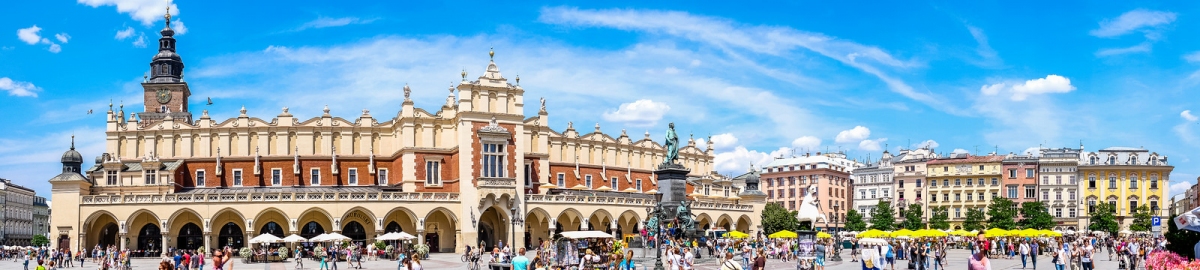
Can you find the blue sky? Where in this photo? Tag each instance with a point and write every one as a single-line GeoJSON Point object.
{"type": "Point", "coordinates": [761, 79]}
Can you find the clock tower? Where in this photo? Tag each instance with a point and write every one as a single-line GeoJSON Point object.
{"type": "Point", "coordinates": [165, 92]}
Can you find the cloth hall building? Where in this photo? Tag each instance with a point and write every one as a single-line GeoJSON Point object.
{"type": "Point", "coordinates": [452, 177]}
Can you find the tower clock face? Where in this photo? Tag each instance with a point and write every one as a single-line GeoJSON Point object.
{"type": "Point", "coordinates": [164, 96]}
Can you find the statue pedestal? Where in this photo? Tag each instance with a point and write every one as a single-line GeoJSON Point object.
{"type": "Point", "coordinates": [672, 184]}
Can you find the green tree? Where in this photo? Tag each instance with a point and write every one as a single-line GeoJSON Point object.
{"type": "Point", "coordinates": [882, 217]}
{"type": "Point", "coordinates": [1141, 219]}
{"type": "Point", "coordinates": [776, 218]}
{"type": "Point", "coordinates": [1002, 214]}
{"type": "Point", "coordinates": [974, 220]}
{"type": "Point", "coordinates": [40, 241]}
{"type": "Point", "coordinates": [1104, 219]}
{"type": "Point", "coordinates": [1035, 216]}
{"type": "Point", "coordinates": [940, 218]}
{"type": "Point", "coordinates": [854, 221]}
{"type": "Point", "coordinates": [913, 216]}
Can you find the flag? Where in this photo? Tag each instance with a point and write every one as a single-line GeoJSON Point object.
{"type": "Point", "coordinates": [1189, 220]}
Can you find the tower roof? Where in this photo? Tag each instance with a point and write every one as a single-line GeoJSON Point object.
{"type": "Point", "coordinates": [72, 156]}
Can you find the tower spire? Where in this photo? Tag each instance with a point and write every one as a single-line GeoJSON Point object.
{"type": "Point", "coordinates": [72, 141]}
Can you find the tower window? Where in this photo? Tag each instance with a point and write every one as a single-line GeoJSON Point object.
{"type": "Point", "coordinates": [164, 69]}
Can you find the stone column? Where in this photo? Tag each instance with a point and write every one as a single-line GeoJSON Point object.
{"type": "Point", "coordinates": [207, 243]}
{"type": "Point", "coordinates": [165, 239]}
{"type": "Point", "coordinates": [420, 235]}
{"type": "Point", "coordinates": [81, 240]}
{"type": "Point", "coordinates": [121, 238]}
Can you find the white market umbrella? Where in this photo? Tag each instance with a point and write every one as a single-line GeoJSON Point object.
{"type": "Point", "coordinates": [294, 239]}
{"type": "Point", "coordinates": [330, 237]}
{"type": "Point", "coordinates": [265, 238]}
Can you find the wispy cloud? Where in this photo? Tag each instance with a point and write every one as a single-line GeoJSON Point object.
{"type": "Point", "coordinates": [145, 11]}
{"type": "Point", "coordinates": [640, 113]}
{"type": "Point", "coordinates": [324, 22]}
{"type": "Point", "coordinates": [31, 36]}
{"type": "Point", "coordinates": [18, 88]}
{"type": "Point", "coordinates": [1144, 47]}
{"type": "Point", "coordinates": [1144, 20]}
{"type": "Point", "coordinates": [124, 34]}
{"type": "Point", "coordinates": [987, 56]}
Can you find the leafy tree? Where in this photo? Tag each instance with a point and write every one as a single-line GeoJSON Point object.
{"type": "Point", "coordinates": [40, 241]}
{"type": "Point", "coordinates": [776, 218]}
{"type": "Point", "coordinates": [913, 216]}
{"type": "Point", "coordinates": [882, 217]}
{"type": "Point", "coordinates": [1002, 214]}
{"type": "Point", "coordinates": [1141, 219]}
{"type": "Point", "coordinates": [940, 219]}
{"type": "Point", "coordinates": [1104, 219]}
{"type": "Point", "coordinates": [1036, 216]}
{"type": "Point", "coordinates": [974, 220]}
{"type": "Point", "coordinates": [854, 221]}
{"type": "Point", "coordinates": [1180, 241]}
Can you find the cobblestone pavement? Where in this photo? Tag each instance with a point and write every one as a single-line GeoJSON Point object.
{"type": "Point", "coordinates": [957, 260]}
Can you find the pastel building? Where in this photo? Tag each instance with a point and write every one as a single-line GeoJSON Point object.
{"type": "Point", "coordinates": [1127, 178]}
{"type": "Point", "coordinates": [962, 181]}
{"type": "Point", "coordinates": [787, 180]}
{"type": "Point", "coordinates": [1058, 186]}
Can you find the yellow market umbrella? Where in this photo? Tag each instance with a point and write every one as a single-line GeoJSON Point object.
{"type": "Point", "coordinates": [904, 232]}
{"type": "Point", "coordinates": [995, 232]}
{"type": "Point", "coordinates": [736, 234]}
{"type": "Point", "coordinates": [931, 233]}
{"type": "Point", "coordinates": [1051, 233]}
{"type": "Point", "coordinates": [873, 233]}
{"type": "Point", "coordinates": [961, 232]}
{"type": "Point", "coordinates": [823, 235]}
{"type": "Point", "coordinates": [782, 234]}
{"type": "Point", "coordinates": [1028, 233]}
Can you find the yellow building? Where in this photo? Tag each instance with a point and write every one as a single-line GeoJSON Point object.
{"type": "Point", "coordinates": [1126, 178]}
{"type": "Point", "coordinates": [961, 182]}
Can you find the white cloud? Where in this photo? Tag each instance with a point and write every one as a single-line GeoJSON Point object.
{"type": "Point", "coordinates": [18, 88]}
{"type": "Point", "coordinates": [323, 22]}
{"type": "Point", "coordinates": [1134, 20]}
{"type": "Point", "coordinates": [29, 35]}
{"type": "Point", "coordinates": [1049, 84]}
{"type": "Point", "coordinates": [806, 143]}
{"type": "Point", "coordinates": [959, 151]}
{"type": "Point", "coordinates": [988, 56]}
{"type": "Point", "coordinates": [871, 145]}
{"type": "Point", "coordinates": [141, 41]}
{"type": "Point", "coordinates": [724, 141]}
{"type": "Point", "coordinates": [931, 144]}
{"type": "Point", "coordinates": [124, 34]}
{"type": "Point", "coordinates": [62, 37]}
{"type": "Point", "coordinates": [145, 11]}
{"type": "Point", "coordinates": [728, 36]}
{"type": "Point", "coordinates": [856, 134]}
{"type": "Point", "coordinates": [739, 160]}
{"type": "Point", "coordinates": [54, 48]}
{"type": "Point", "coordinates": [640, 113]}
{"type": "Point", "coordinates": [26, 155]}
{"type": "Point", "coordinates": [1034, 151]}
{"type": "Point", "coordinates": [178, 26]}
{"type": "Point", "coordinates": [1179, 187]}
{"type": "Point", "coordinates": [1144, 47]}
{"type": "Point", "coordinates": [1192, 57]}
{"type": "Point", "coordinates": [1187, 114]}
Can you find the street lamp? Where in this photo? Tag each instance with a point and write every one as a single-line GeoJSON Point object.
{"type": "Point", "coordinates": [516, 221]}
{"type": "Point", "coordinates": [656, 212]}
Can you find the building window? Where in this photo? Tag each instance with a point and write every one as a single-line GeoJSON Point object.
{"type": "Point", "coordinates": [946, 197]}
{"type": "Point", "coordinates": [1030, 192]}
{"type": "Point", "coordinates": [1153, 182]}
{"type": "Point", "coordinates": [383, 177]}
{"type": "Point", "coordinates": [1057, 212]}
{"type": "Point", "coordinates": [1058, 195]}
{"type": "Point", "coordinates": [1154, 207]}
{"type": "Point", "coordinates": [1133, 180]}
{"type": "Point", "coordinates": [151, 177]}
{"type": "Point", "coordinates": [1071, 212]}
{"type": "Point", "coordinates": [1132, 206]}
{"type": "Point", "coordinates": [1045, 180]}
{"type": "Point", "coordinates": [352, 177]}
{"type": "Point", "coordinates": [529, 175]}
{"type": "Point", "coordinates": [945, 182]}
{"type": "Point", "coordinates": [862, 194]}
{"type": "Point", "coordinates": [1012, 173]}
{"type": "Point", "coordinates": [1012, 192]}
{"type": "Point", "coordinates": [901, 183]}
{"type": "Point", "coordinates": [562, 182]}
{"type": "Point", "coordinates": [770, 194]}
{"type": "Point", "coordinates": [587, 181]}
{"type": "Point", "coordinates": [433, 172]}
{"type": "Point", "coordinates": [1091, 206]}
{"type": "Point", "coordinates": [199, 178]}
{"type": "Point", "coordinates": [1029, 173]}
{"type": "Point", "coordinates": [1091, 181]}
{"type": "Point", "coordinates": [493, 160]}
{"type": "Point", "coordinates": [887, 193]}
{"type": "Point", "coordinates": [957, 182]}
{"type": "Point", "coordinates": [957, 212]}
{"type": "Point", "coordinates": [1071, 195]}
{"type": "Point", "coordinates": [1112, 182]}
{"type": "Point", "coordinates": [315, 177]}
{"type": "Point", "coordinates": [1045, 195]}
{"type": "Point", "coordinates": [1072, 179]}
{"type": "Point", "coordinates": [918, 182]}
{"type": "Point", "coordinates": [791, 205]}
{"type": "Point", "coordinates": [957, 197]}
{"type": "Point", "coordinates": [970, 182]}
{"type": "Point", "coordinates": [276, 177]}
{"type": "Point", "coordinates": [873, 194]}
{"type": "Point", "coordinates": [237, 177]}
{"type": "Point", "coordinates": [614, 183]}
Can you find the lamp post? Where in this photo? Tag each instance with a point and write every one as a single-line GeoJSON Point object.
{"type": "Point", "coordinates": [516, 221]}
{"type": "Point", "coordinates": [657, 212]}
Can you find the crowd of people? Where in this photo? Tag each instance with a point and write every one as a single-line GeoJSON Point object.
{"type": "Point", "coordinates": [1065, 253]}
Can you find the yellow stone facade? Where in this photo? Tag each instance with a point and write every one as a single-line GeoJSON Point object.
{"type": "Point", "coordinates": [1127, 178]}
{"type": "Point", "coordinates": [961, 182]}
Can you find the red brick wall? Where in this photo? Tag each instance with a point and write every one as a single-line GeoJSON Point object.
{"type": "Point", "coordinates": [570, 180]}
{"type": "Point", "coordinates": [450, 180]}
{"type": "Point", "coordinates": [477, 151]}
{"type": "Point", "coordinates": [186, 174]}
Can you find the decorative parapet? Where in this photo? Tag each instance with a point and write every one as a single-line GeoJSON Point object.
{"type": "Point", "coordinates": [722, 206]}
{"type": "Point", "coordinates": [610, 200]}
{"type": "Point", "coordinates": [272, 197]}
{"type": "Point", "coordinates": [496, 182]}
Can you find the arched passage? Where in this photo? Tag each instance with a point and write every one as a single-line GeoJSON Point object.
{"type": "Point", "coordinates": [537, 227]}
{"type": "Point", "coordinates": [318, 215]}
{"type": "Point", "coordinates": [356, 232]}
{"type": "Point", "coordinates": [725, 222]}
{"type": "Point", "coordinates": [142, 235]}
{"type": "Point", "coordinates": [365, 228]}
{"type": "Point", "coordinates": [441, 227]}
{"type": "Point", "coordinates": [230, 226]}
{"type": "Point", "coordinates": [493, 227]}
{"type": "Point", "coordinates": [273, 221]}
{"type": "Point", "coordinates": [743, 224]}
{"type": "Point", "coordinates": [569, 220]}
{"type": "Point", "coordinates": [190, 237]}
{"type": "Point", "coordinates": [628, 223]}
{"type": "Point", "coordinates": [102, 230]}
{"type": "Point", "coordinates": [182, 233]}
{"type": "Point", "coordinates": [600, 221]}
{"type": "Point", "coordinates": [149, 239]}
{"type": "Point", "coordinates": [704, 221]}
{"type": "Point", "coordinates": [400, 219]}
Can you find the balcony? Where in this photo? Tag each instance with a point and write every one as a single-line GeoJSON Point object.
{"type": "Point", "coordinates": [488, 182]}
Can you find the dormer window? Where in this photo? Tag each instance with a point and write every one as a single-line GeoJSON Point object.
{"type": "Point", "coordinates": [1112, 160]}
{"type": "Point", "coordinates": [1094, 160]}
{"type": "Point", "coordinates": [1132, 160]}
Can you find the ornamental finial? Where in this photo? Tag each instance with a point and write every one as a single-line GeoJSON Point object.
{"type": "Point", "coordinates": [491, 53]}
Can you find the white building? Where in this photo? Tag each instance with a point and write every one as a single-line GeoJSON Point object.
{"type": "Point", "coordinates": [872, 184]}
{"type": "Point", "coordinates": [1059, 187]}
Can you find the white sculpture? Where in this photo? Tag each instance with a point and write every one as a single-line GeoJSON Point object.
{"type": "Point", "coordinates": [809, 209]}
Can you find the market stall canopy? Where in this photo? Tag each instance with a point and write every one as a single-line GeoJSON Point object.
{"type": "Point", "coordinates": [586, 234]}
{"type": "Point", "coordinates": [395, 236]}
{"type": "Point", "coordinates": [873, 241]}
{"type": "Point", "coordinates": [294, 239]}
{"type": "Point", "coordinates": [872, 233]}
{"type": "Point", "coordinates": [736, 234]}
{"type": "Point", "coordinates": [786, 234]}
{"type": "Point", "coordinates": [265, 238]}
{"type": "Point", "coordinates": [904, 232]}
{"type": "Point", "coordinates": [823, 235]}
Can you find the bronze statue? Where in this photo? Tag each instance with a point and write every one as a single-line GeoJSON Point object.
{"type": "Point", "coordinates": [672, 146]}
